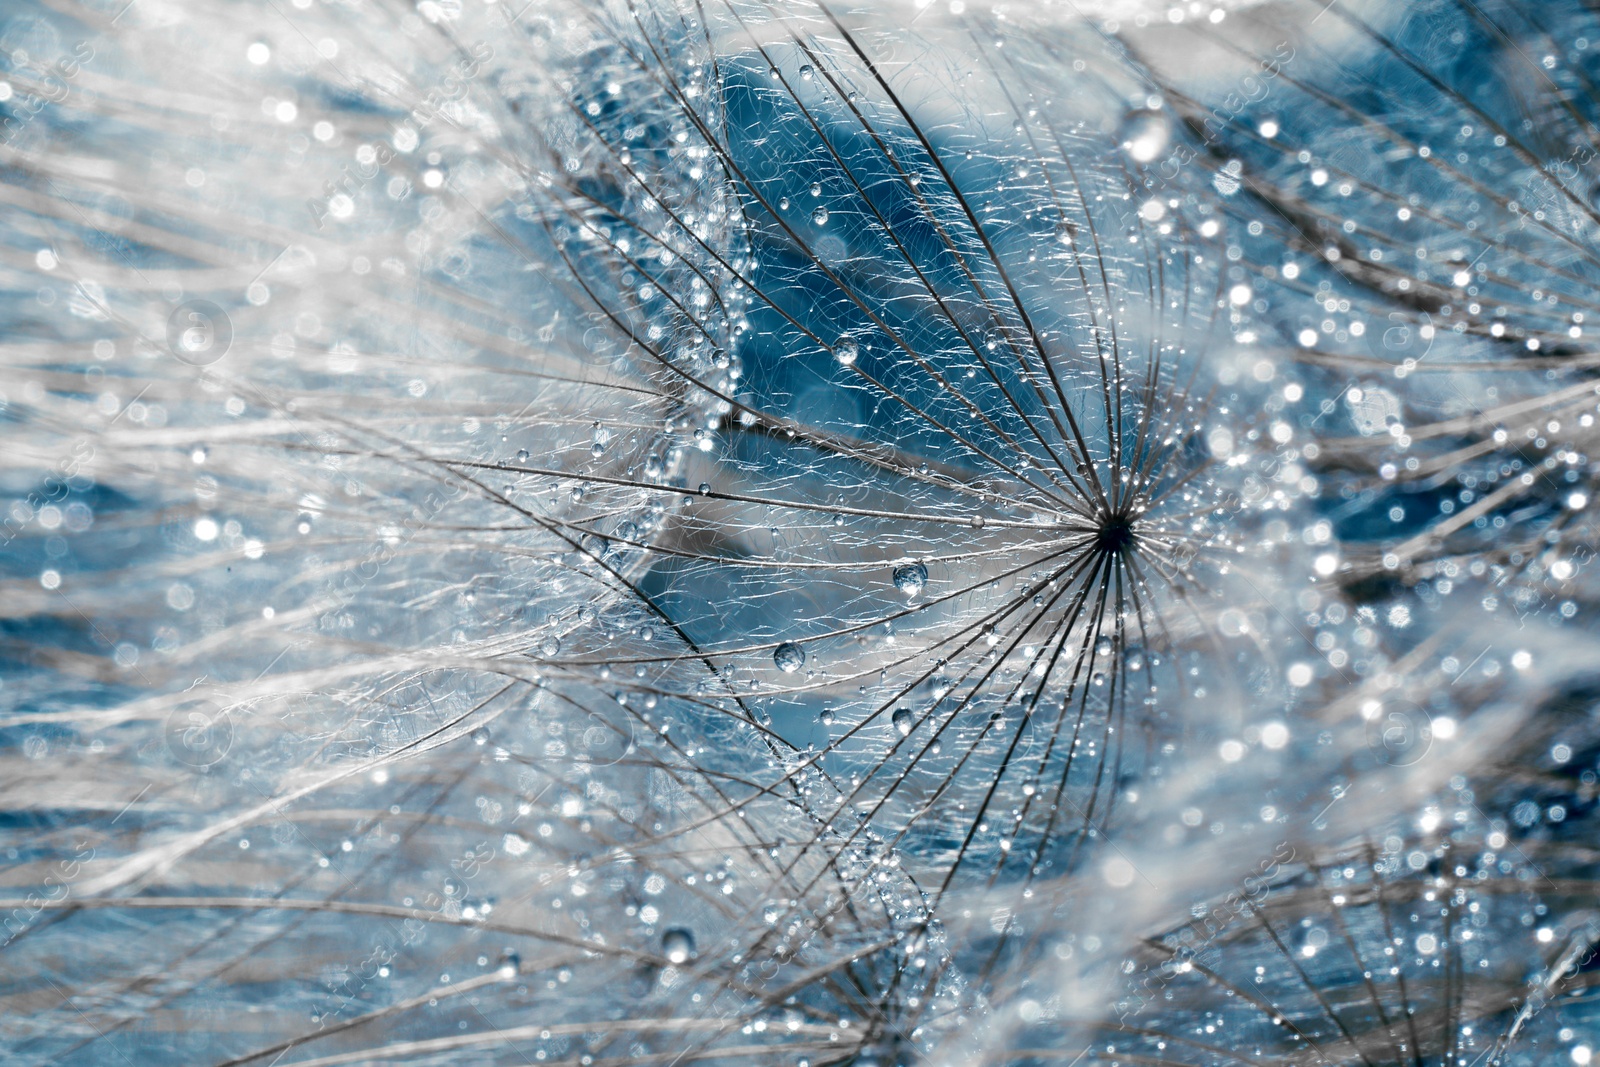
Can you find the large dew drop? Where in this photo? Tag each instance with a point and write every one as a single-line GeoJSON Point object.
{"type": "Point", "coordinates": [1145, 133]}
{"type": "Point", "coordinates": [677, 944]}
{"type": "Point", "coordinates": [789, 657]}
{"type": "Point", "coordinates": [903, 721]}
{"type": "Point", "coordinates": [910, 578]}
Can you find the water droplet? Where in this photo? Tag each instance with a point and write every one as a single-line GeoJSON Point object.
{"type": "Point", "coordinates": [826, 716]}
{"type": "Point", "coordinates": [816, 188]}
{"type": "Point", "coordinates": [705, 488]}
{"type": "Point", "coordinates": [1135, 658]}
{"type": "Point", "coordinates": [783, 204]}
{"type": "Point", "coordinates": [806, 72]}
{"type": "Point", "coordinates": [1102, 647]}
{"type": "Point", "coordinates": [789, 657]}
{"type": "Point", "coordinates": [1145, 133]}
{"type": "Point", "coordinates": [550, 645]}
{"type": "Point", "coordinates": [910, 578]}
{"type": "Point", "coordinates": [677, 944]}
{"type": "Point", "coordinates": [903, 721]}
{"type": "Point", "coordinates": [1228, 179]}
{"type": "Point", "coordinates": [820, 216]}
{"type": "Point", "coordinates": [846, 351]}
{"type": "Point", "coordinates": [522, 455]}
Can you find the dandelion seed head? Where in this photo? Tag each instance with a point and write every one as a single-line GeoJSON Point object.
{"type": "Point", "coordinates": [801, 549]}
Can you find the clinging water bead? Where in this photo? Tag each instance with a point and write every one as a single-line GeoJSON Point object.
{"type": "Point", "coordinates": [677, 945]}
{"type": "Point", "coordinates": [910, 578]}
{"type": "Point", "coordinates": [789, 657]}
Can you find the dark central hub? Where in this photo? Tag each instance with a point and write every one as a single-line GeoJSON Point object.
{"type": "Point", "coordinates": [1115, 534]}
